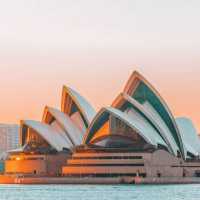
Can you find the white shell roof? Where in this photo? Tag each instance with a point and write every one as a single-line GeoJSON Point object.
{"type": "Point", "coordinates": [144, 125]}
{"type": "Point", "coordinates": [84, 106]}
{"type": "Point", "coordinates": [132, 85]}
{"type": "Point", "coordinates": [123, 98]}
{"type": "Point", "coordinates": [165, 130]}
{"type": "Point", "coordinates": [72, 132]}
{"type": "Point", "coordinates": [147, 134]}
{"type": "Point", "coordinates": [189, 135]}
{"type": "Point", "coordinates": [48, 134]}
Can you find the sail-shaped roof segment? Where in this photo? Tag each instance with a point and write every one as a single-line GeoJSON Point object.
{"type": "Point", "coordinates": [52, 137]}
{"type": "Point", "coordinates": [189, 135]}
{"type": "Point", "coordinates": [72, 102]}
{"type": "Point", "coordinates": [71, 133]}
{"type": "Point", "coordinates": [142, 91]}
{"type": "Point", "coordinates": [124, 102]}
{"type": "Point", "coordinates": [137, 124]}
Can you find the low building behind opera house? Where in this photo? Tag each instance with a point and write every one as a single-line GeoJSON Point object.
{"type": "Point", "coordinates": [136, 137]}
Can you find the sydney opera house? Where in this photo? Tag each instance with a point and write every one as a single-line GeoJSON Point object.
{"type": "Point", "coordinates": [136, 138]}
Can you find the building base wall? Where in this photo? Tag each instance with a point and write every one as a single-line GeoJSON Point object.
{"type": "Point", "coordinates": [159, 163]}
{"type": "Point", "coordinates": [38, 165]}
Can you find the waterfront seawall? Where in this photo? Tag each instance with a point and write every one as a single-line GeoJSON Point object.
{"type": "Point", "coordinates": [5, 179]}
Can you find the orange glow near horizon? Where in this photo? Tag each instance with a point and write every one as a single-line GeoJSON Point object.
{"type": "Point", "coordinates": [28, 99]}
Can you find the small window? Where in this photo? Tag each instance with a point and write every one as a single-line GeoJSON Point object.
{"type": "Point", "coordinates": [159, 174]}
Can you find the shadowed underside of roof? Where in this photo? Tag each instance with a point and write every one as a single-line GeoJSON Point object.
{"type": "Point", "coordinates": [149, 135]}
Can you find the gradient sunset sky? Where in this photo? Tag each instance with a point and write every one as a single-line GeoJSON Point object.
{"type": "Point", "coordinates": [93, 46]}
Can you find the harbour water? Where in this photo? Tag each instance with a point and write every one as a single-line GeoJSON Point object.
{"type": "Point", "coordinates": [99, 192]}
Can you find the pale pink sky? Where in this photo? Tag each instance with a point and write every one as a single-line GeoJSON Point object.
{"type": "Point", "coordinates": [93, 46]}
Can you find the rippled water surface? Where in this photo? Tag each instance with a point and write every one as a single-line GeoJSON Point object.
{"type": "Point", "coordinates": [99, 192]}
